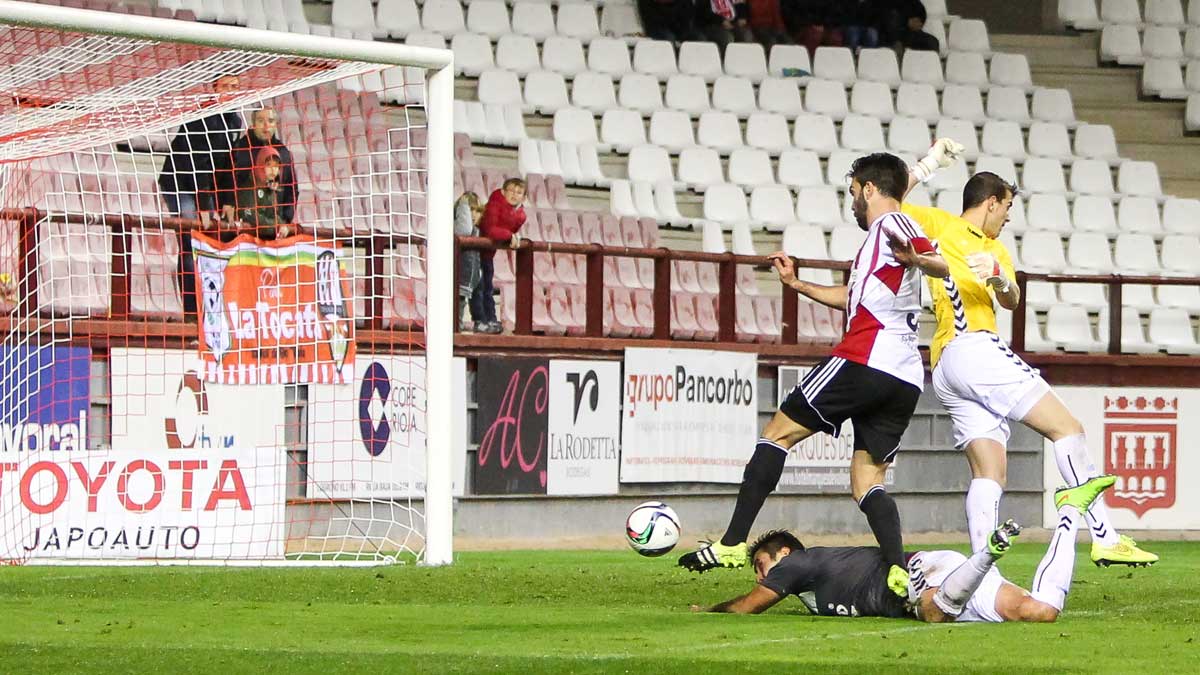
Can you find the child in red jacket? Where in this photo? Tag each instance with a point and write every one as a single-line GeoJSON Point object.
{"type": "Point", "coordinates": [502, 219]}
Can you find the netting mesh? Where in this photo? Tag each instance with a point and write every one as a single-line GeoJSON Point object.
{"type": "Point", "coordinates": [212, 273]}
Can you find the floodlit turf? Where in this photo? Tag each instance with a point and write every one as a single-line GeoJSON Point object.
{"type": "Point", "coordinates": [561, 612]}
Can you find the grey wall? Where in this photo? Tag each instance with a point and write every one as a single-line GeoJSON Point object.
{"type": "Point", "coordinates": [1020, 17]}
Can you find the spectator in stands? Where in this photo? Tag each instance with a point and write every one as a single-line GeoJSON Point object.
{"type": "Point", "coordinates": [860, 20]}
{"type": "Point", "coordinates": [723, 21]}
{"type": "Point", "coordinates": [186, 181]}
{"type": "Point", "coordinates": [237, 168]}
{"type": "Point", "coordinates": [812, 23]}
{"type": "Point", "coordinates": [468, 211]}
{"type": "Point", "coordinates": [906, 26]}
{"type": "Point", "coordinates": [670, 20]}
{"type": "Point", "coordinates": [766, 20]}
{"type": "Point", "coordinates": [256, 200]}
{"type": "Point", "coordinates": [502, 219]}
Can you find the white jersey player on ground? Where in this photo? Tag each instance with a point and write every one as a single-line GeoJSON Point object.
{"type": "Point", "coordinates": [873, 378]}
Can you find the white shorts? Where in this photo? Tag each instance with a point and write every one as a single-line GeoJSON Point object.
{"type": "Point", "coordinates": [928, 569]}
{"type": "Point", "coordinates": [983, 384]}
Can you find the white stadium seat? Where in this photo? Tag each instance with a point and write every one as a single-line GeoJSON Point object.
{"type": "Point", "coordinates": [788, 57]}
{"type": "Point", "coordinates": [1162, 42]}
{"type": "Point", "coordinates": [398, 18]}
{"type": "Point", "coordinates": [545, 92]}
{"type": "Point", "coordinates": [534, 19]}
{"type": "Point", "coordinates": [725, 204]}
{"type": "Point", "coordinates": [606, 55]}
{"type": "Point", "coordinates": [1095, 141]}
{"type": "Point", "coordinates": [879, 65]}
{"type": "Point", "coordinates": [1001, 166]}
{"type": "Point", "coordinates": [688, 93]}
{"type": "Point", "coordinates": [564, 55]}
{"type": "Point", "coordinates": [1121, 44]}
{"type": "Point", "coordinates": [746, 59]}
{"type": "Point", "coordinates": [780, 95]}
{"type": "Point", "coordinates": [962, 131]}
{"type": "Point", "coordinates": [622, 129]}
{"type": "Point", "coordinates": [1004, 138]}
{"type": "Point", "coordinates": [499, 86]}
{"type": "Point", "coordinates": [472, 54]}
{"type": "Point", "coordinates": [578, 20]}
{"type": "Point", "coordinates": [922, 67]}
{"type": "Point", "coordinates": [1008, 103]}
{"type": "Point", "coordinates": [968, 35]}
{"type": "Point", "coordinates": [620, 20]}
{"type": "Point", "coordinates": [750, 168]}
{"type": "Point", "coordinates": [489, 17]}
{"type": "Point", "coordinates": [1120, 11]}
{"type": "Point", "coordinates": [1140, 215]}
{"type": "Point", "coordinates": [1079, 14]}
{"type": "Point", "coordinates": [1092, 213]}
{"type": "Point", "coordinates": [443, 16]}
{"type": "Point", "coordinates": [1133, 335]}
{"type": "Point", "coordinates": [1011, 70]}
{"type": "Point", "coordinates": [1091, 177]}
{"type": "Point", "coordinates": [862, 133]}
{"type": "Point", "coordinates": [700, 167]}
{"type": "Point", "coordinates": [734, 94]}
{"type": "Point", "coordinates": [719, 130]}
{"type": "Point", "coordinates": [1163, 78]}
{"type": "Point", "coordinates": [650, 164]}
{"type": "Point", "coordinates": [654, 57]}
{"type": "Point", "coordinates": [963, 102]}
{"type": "Point", "coordinates": [639, 91]}
{"type": "Point", "coordinates": [1171, 329]}
{"type": "Point", "coordinates": [909, 134]}
{"type": "Point", "coordinates": [967, 68]}
{"type": "Point", "coordinates": [872, 98]}
{"type": "Point", "coordinates": [815, 132]}
{"type": "Point", "coordinates": [518, 53]}
{"type": "Point", "coordinates": [768, 131]}
{"type": "Point", "coordinates": [1139, 179]}
{"type": "Point", "coordinates": [1050, 139]}
{"type": "Point", "coordinates": [772, 208]}
{"type": "Point", "coordinates": [1181, 216]}
{"type": "Point", "coordinates": [1068, 327]}
{"type": "Point", "coordinates": [1043, 174]}
{"type": "Point", "coordinates": [819, 205]}
{"type": "Point", "coordinates": [1136, 254]}
{"type": "Point", "coordinates": [1181, 255]}
{"type": "Point", "coordinates": [802, 168]}
{"type": "Point", "coordinates": [700, 58]}
{"type": "Point", "coordinates": [575, 125]}
{"type": "Point", "coordinates": [918, 100]}
{"type": "Point", "coordinates": [594, 91]}
{"type": "Point", "coordinates": [672, 129]}
{"type": "Point", "coordinates": [1165, 13]}
{"type": "Point", "coordinates": [826, 97]}
{"type": "Point", "coordinates": [1042, 252]}
{"type": "Point", "coordinates": [834, 63]}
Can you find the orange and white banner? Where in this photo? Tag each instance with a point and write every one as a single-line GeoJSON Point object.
{"type": "Point", "coordinates": [274, 312]}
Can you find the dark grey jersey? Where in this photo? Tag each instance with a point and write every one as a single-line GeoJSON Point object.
{"type": "Point", "coordinates": [837, 581]}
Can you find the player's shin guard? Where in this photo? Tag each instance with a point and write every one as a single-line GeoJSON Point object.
{"type": "Point", "coordinates": [1053, 578]}
{"type": "Point", "coordinates": [958, 586]}
{"type": "Point", "coordinates": [1076, 467]}
{"type": "Point", "coordinates": [983, 502]}
{"type": "Point", "coordinates": [758, 480]}
{"type": "Point", "coordinates": [884, 518]}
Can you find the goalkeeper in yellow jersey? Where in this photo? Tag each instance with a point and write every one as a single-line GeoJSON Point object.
{"type": "Point", "coordinates": [978, 379]}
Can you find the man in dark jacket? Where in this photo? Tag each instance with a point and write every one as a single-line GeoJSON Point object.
{"type": "Point", "coordinates": [906, 25]}
{"type": "Point", "coordinates": [238, 166]}
{"type": "Point", "coordinates": [670, 20]}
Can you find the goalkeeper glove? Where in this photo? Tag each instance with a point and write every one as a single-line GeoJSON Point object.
{"type": "Point", "coordinates": [987, 269]}
{"type": "Point", "coordinates": [942, 155]}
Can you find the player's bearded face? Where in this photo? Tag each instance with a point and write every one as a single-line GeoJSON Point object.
{"type": "Point", "coordinates": [859, 206]}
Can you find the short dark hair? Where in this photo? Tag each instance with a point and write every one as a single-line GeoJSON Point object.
{"type": "Point", "coordinates": [984, 185]}
{"type": "Point", "coordinates": [513, 182]}
{"type": "Point", "coordinates": [771, 542]}
{"type": "Point", "coordinates": [887, 172]}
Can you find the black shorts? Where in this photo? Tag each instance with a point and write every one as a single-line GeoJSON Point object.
{"type": "Point", "coordinates": [878, 404]}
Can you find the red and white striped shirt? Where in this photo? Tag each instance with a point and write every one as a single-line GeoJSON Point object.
{"type": "Point", "coordinates": [884, 301]}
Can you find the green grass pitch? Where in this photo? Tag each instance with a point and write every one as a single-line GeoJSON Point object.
{"type": "Point", "coordinates": [562, 612]}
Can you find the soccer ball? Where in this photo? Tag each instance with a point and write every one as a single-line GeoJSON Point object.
{"type": "Point", "coordinates": [652, 529]}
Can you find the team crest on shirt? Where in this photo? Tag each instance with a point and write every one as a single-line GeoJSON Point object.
{"type": "Point", "coordinates": [1140, 449]}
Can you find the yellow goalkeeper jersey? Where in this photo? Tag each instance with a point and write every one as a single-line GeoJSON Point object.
{"type": "Point", "coordinates": [961, 302]}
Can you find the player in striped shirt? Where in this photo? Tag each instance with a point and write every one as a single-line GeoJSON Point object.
{"type": "Point", "coordinates": [873, 378]}
{"type": "Point", "coordinates": [980, 381]}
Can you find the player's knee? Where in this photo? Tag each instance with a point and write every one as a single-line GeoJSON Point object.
{"type": "Point", "coordinates": [1038, 612]}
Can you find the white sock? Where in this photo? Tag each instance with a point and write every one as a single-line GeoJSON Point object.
{"type": "Point", "coordinates": [1076, 467]}
{"type": "Point", "coordinates": [958, 586]}
{"type": "Point", "coordinates": [1053, 578]}
{"type": "Point", "coordinates": [983, 502]}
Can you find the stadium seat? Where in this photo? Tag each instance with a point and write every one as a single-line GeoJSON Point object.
{"type": "Point", "coordinates": [804, 241]}
{"type": "Point", "coordinates": [800, 168]}
{"type": "Point", "coordinates": [962, 131]}
{"type": "Point", "coordinates": [772, 208]}
{"type": "Point", "coordinates": [1053, 105]}
{"type": "Point", "coordinates": [1068, 327]}
{"type": "Point", "coordinates": [767, 131]}
{"type": "Point", "coordinates": [741, 241]}
{"type": "Point", "coordinates": [750, 167]}
{"type": "Point", "coordinates": [1042, 174]}
{"type": "Point", "coordinates": [1004, 138]}
{"type": "Point", "coordinates": [1133, 335]}
{"type": "Point", "coordinates": [818, 205]}
{"type": "Point", "coordinates": [967, 68]}
{"type": "Point", "coordinates": [489, 17]}
{"type": "Point", "coordinates": [1165, 13]}
{"type": "Point", "coordinates": [683, 317]}
{"type": "Point", "coordinates": [874, 99]}
{"type": "Point", "coordinates": [700, 167]}
{"type": "Point", "coordinates": [578, 20]}
{"type": "Point", "coordinates": [1191, 42]}
{"type": "Point", "coordinates": [1191, 81]}
{"type": "Point", "coordinates": [1089, 253]}
{"type": "Point", "coordinates": [1079, 14]}
{"type": "Point", "coordinates": [967, 35]}
{"type": "Point", "coordinates": [594, 92]}
{"type": "Point", "coordinates": [1008, 103]}
{"type": "Point", "coordinates": [950, 201]}
{"type": "Point", "coordinates": [1039, 297]}
{"type": "Point", "coordinates": [655, 57]}
{"type": "Point", "coordinates": [952, 179]}
{"type": "Point", "coordinates": [815, 132]}
{"type": "Point", "coordinates": [545, 92]}
{"type": "Point", "coordinates": [909, 134]}
{"type": "Point", "coordinates": [844, 242]}
{"type": "Point", "coordinates": [788, 57]}
{"type": "Point", "coordinates": [569, 164]}
{"type": "Point", "coordinates": [922, 67]}
{"type": "Point", "coordinates": [1120, 11]}
{"type": "Point", "coordinates": [918, 100]}
{"type": "Point", "coordinates": [529, 158]}
{"type": "Point", "coordinates": [688, 93]}
{"type": "Point", "coordinates": [1049, 212]}
{"type": "Point", "coordinates": [442, 16]}
{"type": "Point", "coordinates": [1009, 239]}
{"type": "Point", "coordinates": [726, 205]}
{"type": "Point", "coordinates": [1011, 70]}
{"type": "Point", "coordinates": [733, 94]}
{"type": "Point", "coordinates": [1042, 252]}
{"type": "Point", "coordinates": [620, 20]}
{"type": "Point", "coordinates": [1191, 113]}
{"type": "Point", "coordinates": [667, 207]}
{"type": "Point", "coordinates": [499, 87]}
{"type": "Point", "coordinates": [1162, 42]}
{"type": "Point", "coordinates": [518, 53]}
{"type": "Point", "coordinates": [1092, 177]}
{"type": "Point", "coordinates": [746, 60]}
{"type": "Point", "coordinates": [622, 129]}
{"type": "Point", "coordinates": [1139, 215]}
{"type": "Point", "coordinates": [964, 103]}
{"type": "Point", "coordinates": [564, 55]}
{"type": "Point", "coordinates": [1121, 44]}
{"type": "Point", "coordinates": [1094, 141]}
{"type": "Point", "coordinates": [575, 125]}
{"type": "Point", "coordinates": [1050, 139]}
{"type": "Point", "coordinates": [1139, 179]}
{"type": "Point", "coordinates": [534, 19]}
{"type": "Point", "coordinates": [718, 130]}
{"type": "Point", "coordinates": [1180, 216]}
{"type": "Point", "coordinates": [1171, 330]}
{"type": "Point", "coordinates": [862, 133]}
{"type": "Point", "coordinates": [879, 65]}
{"type": "Point", "coordinates": [1181, 255]}
{"type": "Point", "coordinates": [1163, 78]}
{"type": "Point", "coordinates": [1091, 213]}
{"type": "Point", "coordinates": [837, 166]}
{"type": "Point", "coordinates": [640, 92]}
{"type": "Point", "coordinates": [700, 58]}
{"type": "Point", "coordinates": [826, 97]}
{"type": "Point", "coordinates": [472, 54]}
{"type": "Point", "coordinates": [836, 64]}
{"type": "Point", "coordinates": [620, 198]}
{"type": "Point", "coordinates": [649, 163]}
{"type": "Point", "coordinates": [397, 17]}
{"type": "Point", "coordinates": [609, 56]}
{"type": "Point", "coordinates": [1136, 254]}
{"type": "Point", "coordinates": [712, 238]}
{"type": "Point", "coordinates": [352, 15]}
{"type": "Point", "coordinates": [780, 95]}
{"type": "Point", "coordinates": [1185, 297]}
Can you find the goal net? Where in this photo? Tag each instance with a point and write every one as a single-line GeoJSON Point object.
{"type": "Point", "coordinates": [216, 246]}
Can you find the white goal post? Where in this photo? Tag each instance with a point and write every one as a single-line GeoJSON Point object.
{"type": "Point", "coordinates": [94, 121]}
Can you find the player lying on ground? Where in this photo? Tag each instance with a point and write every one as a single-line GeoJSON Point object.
{"type": "Point", "coordinates": [980, 381]}
{"type": "Point", "coordinates": [873, 378]}
{"type": "Point", "coordinates": [943, 586]}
